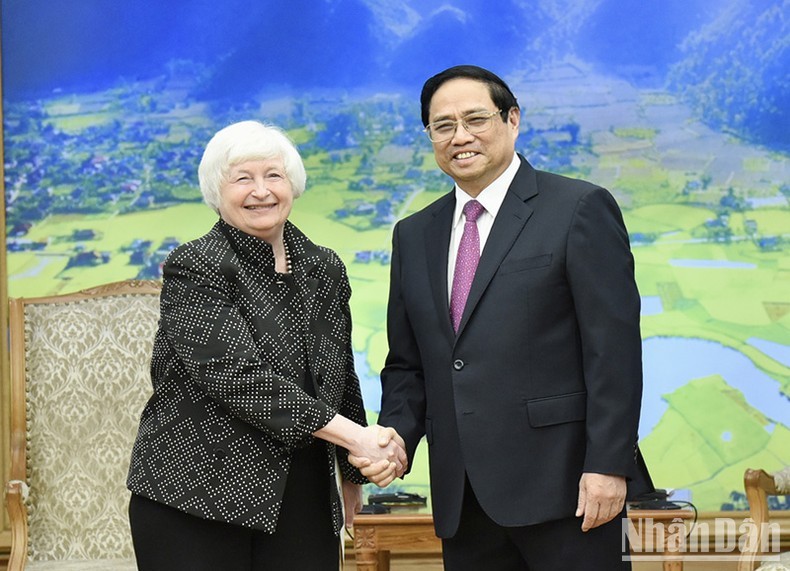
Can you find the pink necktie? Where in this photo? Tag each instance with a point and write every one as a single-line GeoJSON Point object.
{"type": "Point", "coordinates": [465, 262]}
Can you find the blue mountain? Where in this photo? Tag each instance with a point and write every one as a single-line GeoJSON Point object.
{"type": "Point", "coordinates": [491, 34]}
{"type": "Point", "coordinates": [300, 44]}
{"type": "Point", "coordinates": [90, 44]}
{"type": "Point", "coordinates": [639, 40]}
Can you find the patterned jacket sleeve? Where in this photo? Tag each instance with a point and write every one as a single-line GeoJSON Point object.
{"type": "Point", "coordinates": [215, 344]}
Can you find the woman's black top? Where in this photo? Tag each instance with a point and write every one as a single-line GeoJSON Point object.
{"type": "Point", "coordinates": [247, 364]}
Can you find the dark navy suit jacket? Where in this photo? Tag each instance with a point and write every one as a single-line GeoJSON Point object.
{"type": "Point", "coordinates": [543, 380]}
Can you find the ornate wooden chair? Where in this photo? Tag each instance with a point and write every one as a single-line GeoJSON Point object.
{"type": "Point", "coordinates": [79, 380]}
{"type": "Point", "coordinates": [759, 485]}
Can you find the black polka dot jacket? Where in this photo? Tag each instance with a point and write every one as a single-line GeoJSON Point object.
{"type": "Point", "coordinates": [239, 353]}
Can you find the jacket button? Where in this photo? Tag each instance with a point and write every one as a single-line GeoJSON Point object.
{"type": "Point", "coordinates": [458, 364]}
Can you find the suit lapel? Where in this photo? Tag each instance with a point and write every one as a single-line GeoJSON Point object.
{"type": "Point", "coordinates": [437, 245]}
{"type": "Point", "coordinates": [510, 220]}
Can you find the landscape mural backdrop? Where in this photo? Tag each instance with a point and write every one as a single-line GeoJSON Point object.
{"type": "Point", "coordinates": [679, 107]}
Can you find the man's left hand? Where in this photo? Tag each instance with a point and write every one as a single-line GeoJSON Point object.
{"type": "Point", "coordinates": [601, 499]}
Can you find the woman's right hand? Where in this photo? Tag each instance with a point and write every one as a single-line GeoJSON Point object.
{"type": "Point", "coordinates": [381, 466]}
{"type": "Point", "coordinates": [377, 451]}
{"type": "Point", "coordinates": [379, 443]}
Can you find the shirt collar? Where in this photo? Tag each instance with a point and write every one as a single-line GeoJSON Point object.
{"type": "Point", "coordinates": [492, 196]}
{"type": "Point", "coordinates": [303, 253]}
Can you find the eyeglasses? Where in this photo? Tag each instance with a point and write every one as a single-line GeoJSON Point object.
{"type": "Point", "coordinates": [474, 123]}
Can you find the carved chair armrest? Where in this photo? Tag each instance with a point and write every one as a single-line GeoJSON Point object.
{"type": "Point", "coordinates": [762, 480]}
{"type": "Point", "coordinates": [16, 492]}
{"type": "Point", "coordinates": [758, 485]}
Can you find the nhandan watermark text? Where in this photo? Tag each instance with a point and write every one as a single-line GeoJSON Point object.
{"type": "Point", "coordinates": [719, 540]}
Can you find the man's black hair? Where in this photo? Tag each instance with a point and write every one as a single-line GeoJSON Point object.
{"type": "Point", "coordinates": [500, 93]}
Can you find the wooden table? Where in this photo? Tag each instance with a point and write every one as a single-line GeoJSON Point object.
{"type": "Point", "coordinates": [377, 536]}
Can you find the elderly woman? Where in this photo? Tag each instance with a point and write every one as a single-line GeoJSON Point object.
{"type": "Point", "coordinates": [255, 402]}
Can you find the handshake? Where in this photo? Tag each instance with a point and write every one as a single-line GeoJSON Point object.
{"type": "Point", "coordinates": [380, 455]}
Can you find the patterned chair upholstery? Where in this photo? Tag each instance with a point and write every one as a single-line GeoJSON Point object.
{"type": "Point", "coordinates": [759, 485]}
{"type": "Point", "coordinates": [79, 380]}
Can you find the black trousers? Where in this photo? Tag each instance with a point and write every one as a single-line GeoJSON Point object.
{"type": "Point", "coordinates": [167, 539]}
{"type": "Point", "coordinates": [560, 545]}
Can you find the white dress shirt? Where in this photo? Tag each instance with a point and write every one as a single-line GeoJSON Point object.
{"type": "Point", "coordinates": [491, 197]}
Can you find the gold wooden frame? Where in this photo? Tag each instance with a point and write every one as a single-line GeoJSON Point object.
{"type": "Point", "coordinates": [15, 489]}
{"type": "Point", "coordinates": [5, 533]}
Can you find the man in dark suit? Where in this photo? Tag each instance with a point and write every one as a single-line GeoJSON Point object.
{"type": "Point", "coordinates": [514, 345]}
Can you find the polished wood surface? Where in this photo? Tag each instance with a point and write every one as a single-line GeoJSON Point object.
{"type": "Point", "coordinates": [408, 562]}
{"type": "Point", "coordinates": [377, 537]}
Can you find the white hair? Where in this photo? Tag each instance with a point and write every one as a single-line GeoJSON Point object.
{"type": "Point", "coordinates": [247, 141]}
